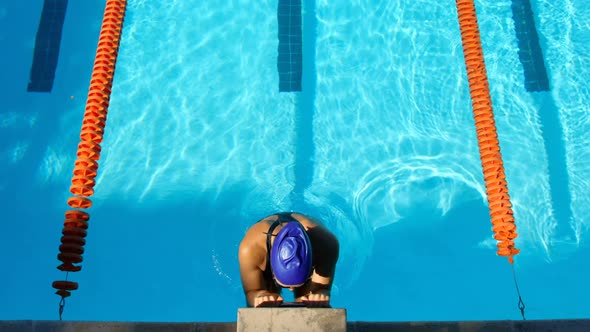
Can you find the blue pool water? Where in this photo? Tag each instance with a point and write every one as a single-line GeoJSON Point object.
{"type": "Point", "coordinates": [379, 144]}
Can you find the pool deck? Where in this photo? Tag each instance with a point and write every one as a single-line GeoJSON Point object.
{"type": "Point", "coordinates": [480, 326]}
{"type": "Point", "coordinates": [297, 319]}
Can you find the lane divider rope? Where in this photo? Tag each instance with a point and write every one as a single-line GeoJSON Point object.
{"type": "Point", "coordinates": [88, 153]}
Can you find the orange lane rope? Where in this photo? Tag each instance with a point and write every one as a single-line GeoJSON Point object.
{"type": "Point", "coordinates": [489, 147]}
{"type": "Point", "coordinates": [88, 154]}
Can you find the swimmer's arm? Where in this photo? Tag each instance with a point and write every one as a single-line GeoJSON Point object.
{"type": "Point", "coordinates": [325, 254]}
{"type": "Point", "coordinates": [326, 251]}
{"type": "Point", "coordinates": [253, 281]}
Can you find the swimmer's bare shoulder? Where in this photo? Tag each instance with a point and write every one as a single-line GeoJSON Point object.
{"type": "Point", "coordinates": [317, 233]}
{"type": "Point", "coordinates": [306, 221]}
{"type": "Point", "coordinates": [252, 261]}
{"type": "Point", "coordinates": [252, 249]}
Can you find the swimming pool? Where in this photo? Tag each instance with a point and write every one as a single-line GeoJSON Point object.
{"type": "Point", "coordinates": [380, 145]}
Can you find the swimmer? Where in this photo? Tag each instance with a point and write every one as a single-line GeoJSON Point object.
{"type": "Point", "coordinates": [288, 250]}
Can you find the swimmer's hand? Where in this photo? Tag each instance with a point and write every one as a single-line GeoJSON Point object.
{"type": "Point", "coordinates": [267, 299]}
{"type": "Point", "coordinates": [319, 299]}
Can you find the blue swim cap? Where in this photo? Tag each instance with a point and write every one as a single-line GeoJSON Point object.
{"type": "Point", "coordinates": [291, 255]}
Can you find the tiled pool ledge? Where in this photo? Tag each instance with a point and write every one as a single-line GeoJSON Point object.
{"type": "Point", "coordinates": [297, 319]}
{"type": "Point", "coordinates": [481, 326]}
